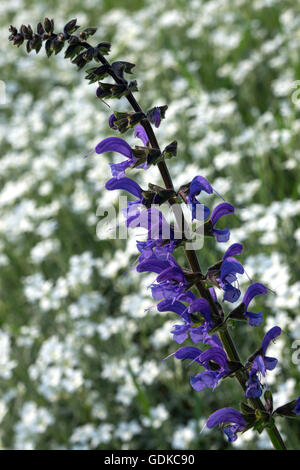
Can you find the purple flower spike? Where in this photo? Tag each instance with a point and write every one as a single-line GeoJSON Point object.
{"type": "Point", "coordinates": [297, 407]}
{"type": "Point", "coordinates": [228, 415]}
{"type": "Point", "coordinates": [124, 183]}
{"type": "Point", "coordinates": [114, 144]}
{"type": "Point", "coordinates": [254, 319]}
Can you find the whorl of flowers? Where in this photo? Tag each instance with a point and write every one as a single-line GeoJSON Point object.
{"type": "Point", "coordinates": [189, 293]}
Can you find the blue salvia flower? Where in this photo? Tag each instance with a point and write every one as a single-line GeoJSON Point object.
{"type": "Point", "coordinates": [261, 364]}
{"type": "Point", "coordinates": [222, 209]}
{"type": "Point", "coordinates": [198, 184]}
{"type": "Point", "coordinates": [254, 319]}
{"type": "Point", "coordinates": [230, 417]}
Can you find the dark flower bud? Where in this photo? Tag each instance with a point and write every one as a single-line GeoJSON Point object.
{"type": "Point", "coordinates": [25, 32]}
{"type": "Point", "coordinates": [70, 27]}
{"type": "Point", "coordinates": [79, 60]}
{"type": "Point", "coordinates": [156, 114]}
{"type": "Point", "coordinates": [104, 90]}
{"type": "Point", "coordinates": [29, 46]}
{"type": "Point", "coordinates": [49, 46]}
{"type": "Point", "coordinates": [48, 25]}
{"type": "Point", "coordinates": [287, 410]}
{"type": "Point", "coordinates": [170, 150]}
{"type": "Point", "coordinates": [89, 54]}
{"type": "Point", "coordinates": [97, 73]}
{"type": "Point", "coordinates": [58, 45]}
{"type": "Point", "coordinates": [18, 39]}
{"type": "Point", "coordinates": [73, 40]}
{"type": "Point", "coordinates": [40, 29]}
{"type": "Point", "coordinates": [120, 67]}
{"type": "Point", "coordinates": [269, 400]}
{"type": "Point", "coordinates": [90, 31]}
{"type": "Point", "coordinates": [36, 43]}
{"type": "Point", "coordinates": [103, 48]}
{"type": "Point", "coordinates": [12, 30]}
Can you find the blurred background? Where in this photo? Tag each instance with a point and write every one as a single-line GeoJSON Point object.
{"type": "Point", "coordinates": [81, 343]}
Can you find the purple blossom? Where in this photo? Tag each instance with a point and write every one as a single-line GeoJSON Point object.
{"type": "Point", "coordinates": [198, 184]}
{"type": "Point", "coordinates": [222, 209]}
{"type": "Point", "coordinates": [209, 377]}
{"type": "Point", "coordinates": [254, 319]}
{"type": "Point", "coordinates": [234, 419]}
{"type": "Point", "coordinates": [261, 364]}
{"type": "Point", "coordinates": [141, 134]}
{"type": "Point", "coordinates": [229, 269]}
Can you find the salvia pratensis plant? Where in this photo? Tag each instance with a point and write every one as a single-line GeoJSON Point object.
{"type": "Point", "coordinates": [189, 293]}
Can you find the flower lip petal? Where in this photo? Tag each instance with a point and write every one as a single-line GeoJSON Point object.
{"type": "Point", "coordinates": [140, 133]}
{"type": "Point", "coordinates": [222, 209]}
{"type": "Point", "coordinates": [198, 184]}
{"type": "Point", "coordinates": [215, 354]}
{"type": "Point", "coordinates": [255, 289]}
{"type": "Point", "coordinates": [226, 415]}
{"type": "Point", "coordinates": [270, 336]}
{"type": "Point", "coordinates": [230, 266]}
{"type": "Point", "coordinates": [233, 250]}
{"type": "Point", "coordinates": [124, 183]}
{"type": "Point", "coordinates": [114, 144]}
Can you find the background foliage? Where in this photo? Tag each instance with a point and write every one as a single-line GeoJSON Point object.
{"type": "Point", "coordinates": [81, 342]}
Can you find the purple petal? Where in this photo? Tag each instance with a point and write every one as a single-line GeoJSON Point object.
{"type": "Point", "coordinates": [200, 305]}
{"type": "Point", "coordinates": [114, 144]}
{"type": "Point", "coordinates": [255, 289]}
{"type": "Point", "coordinates": [270, 335]}
{"type": "Point", "coordinates": [180, 333]}
{"type": "Point", "coordinates": [226, 415]}
{"type": "Point", "coordinates": [213, 294]}
{"type": "Point", "coordinates": [204, 379]}
{"type": "Point", "coordinates": [151, 265]}
{"type": "Point", "coordinates": [171, 273]}
{"type": "Point", "coordinates": [118, 169]}
{"type": "Point", "coordinates": [199, 211]}
{"type": "Point", "coordinates": [111, 120]}
{"type": "Point", "coordinates": [231, 293]}
{"type": "Point", "coordinates": [222, 236]}
{"type": "Point", "coordinates": [188, 352]}
{"type": "Point", "coordinates": [124, 183]}
{"type": "Point", "coordinates": [198, 184]}
{"type": "Point", "coordinates": [254, 319]}
{"type": "Point", "coordinates": [233, 250]}
{"type": "Point", "coordinates": [222, 209]}
{"type": "Point", "coordinates": [270, 362]}
{"type": "Point", "coordinates": [215, 354]}
{"type": "Point", "coordinates": [141, 134]}
{"type": "Point", "coordinates": [230, 266]}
